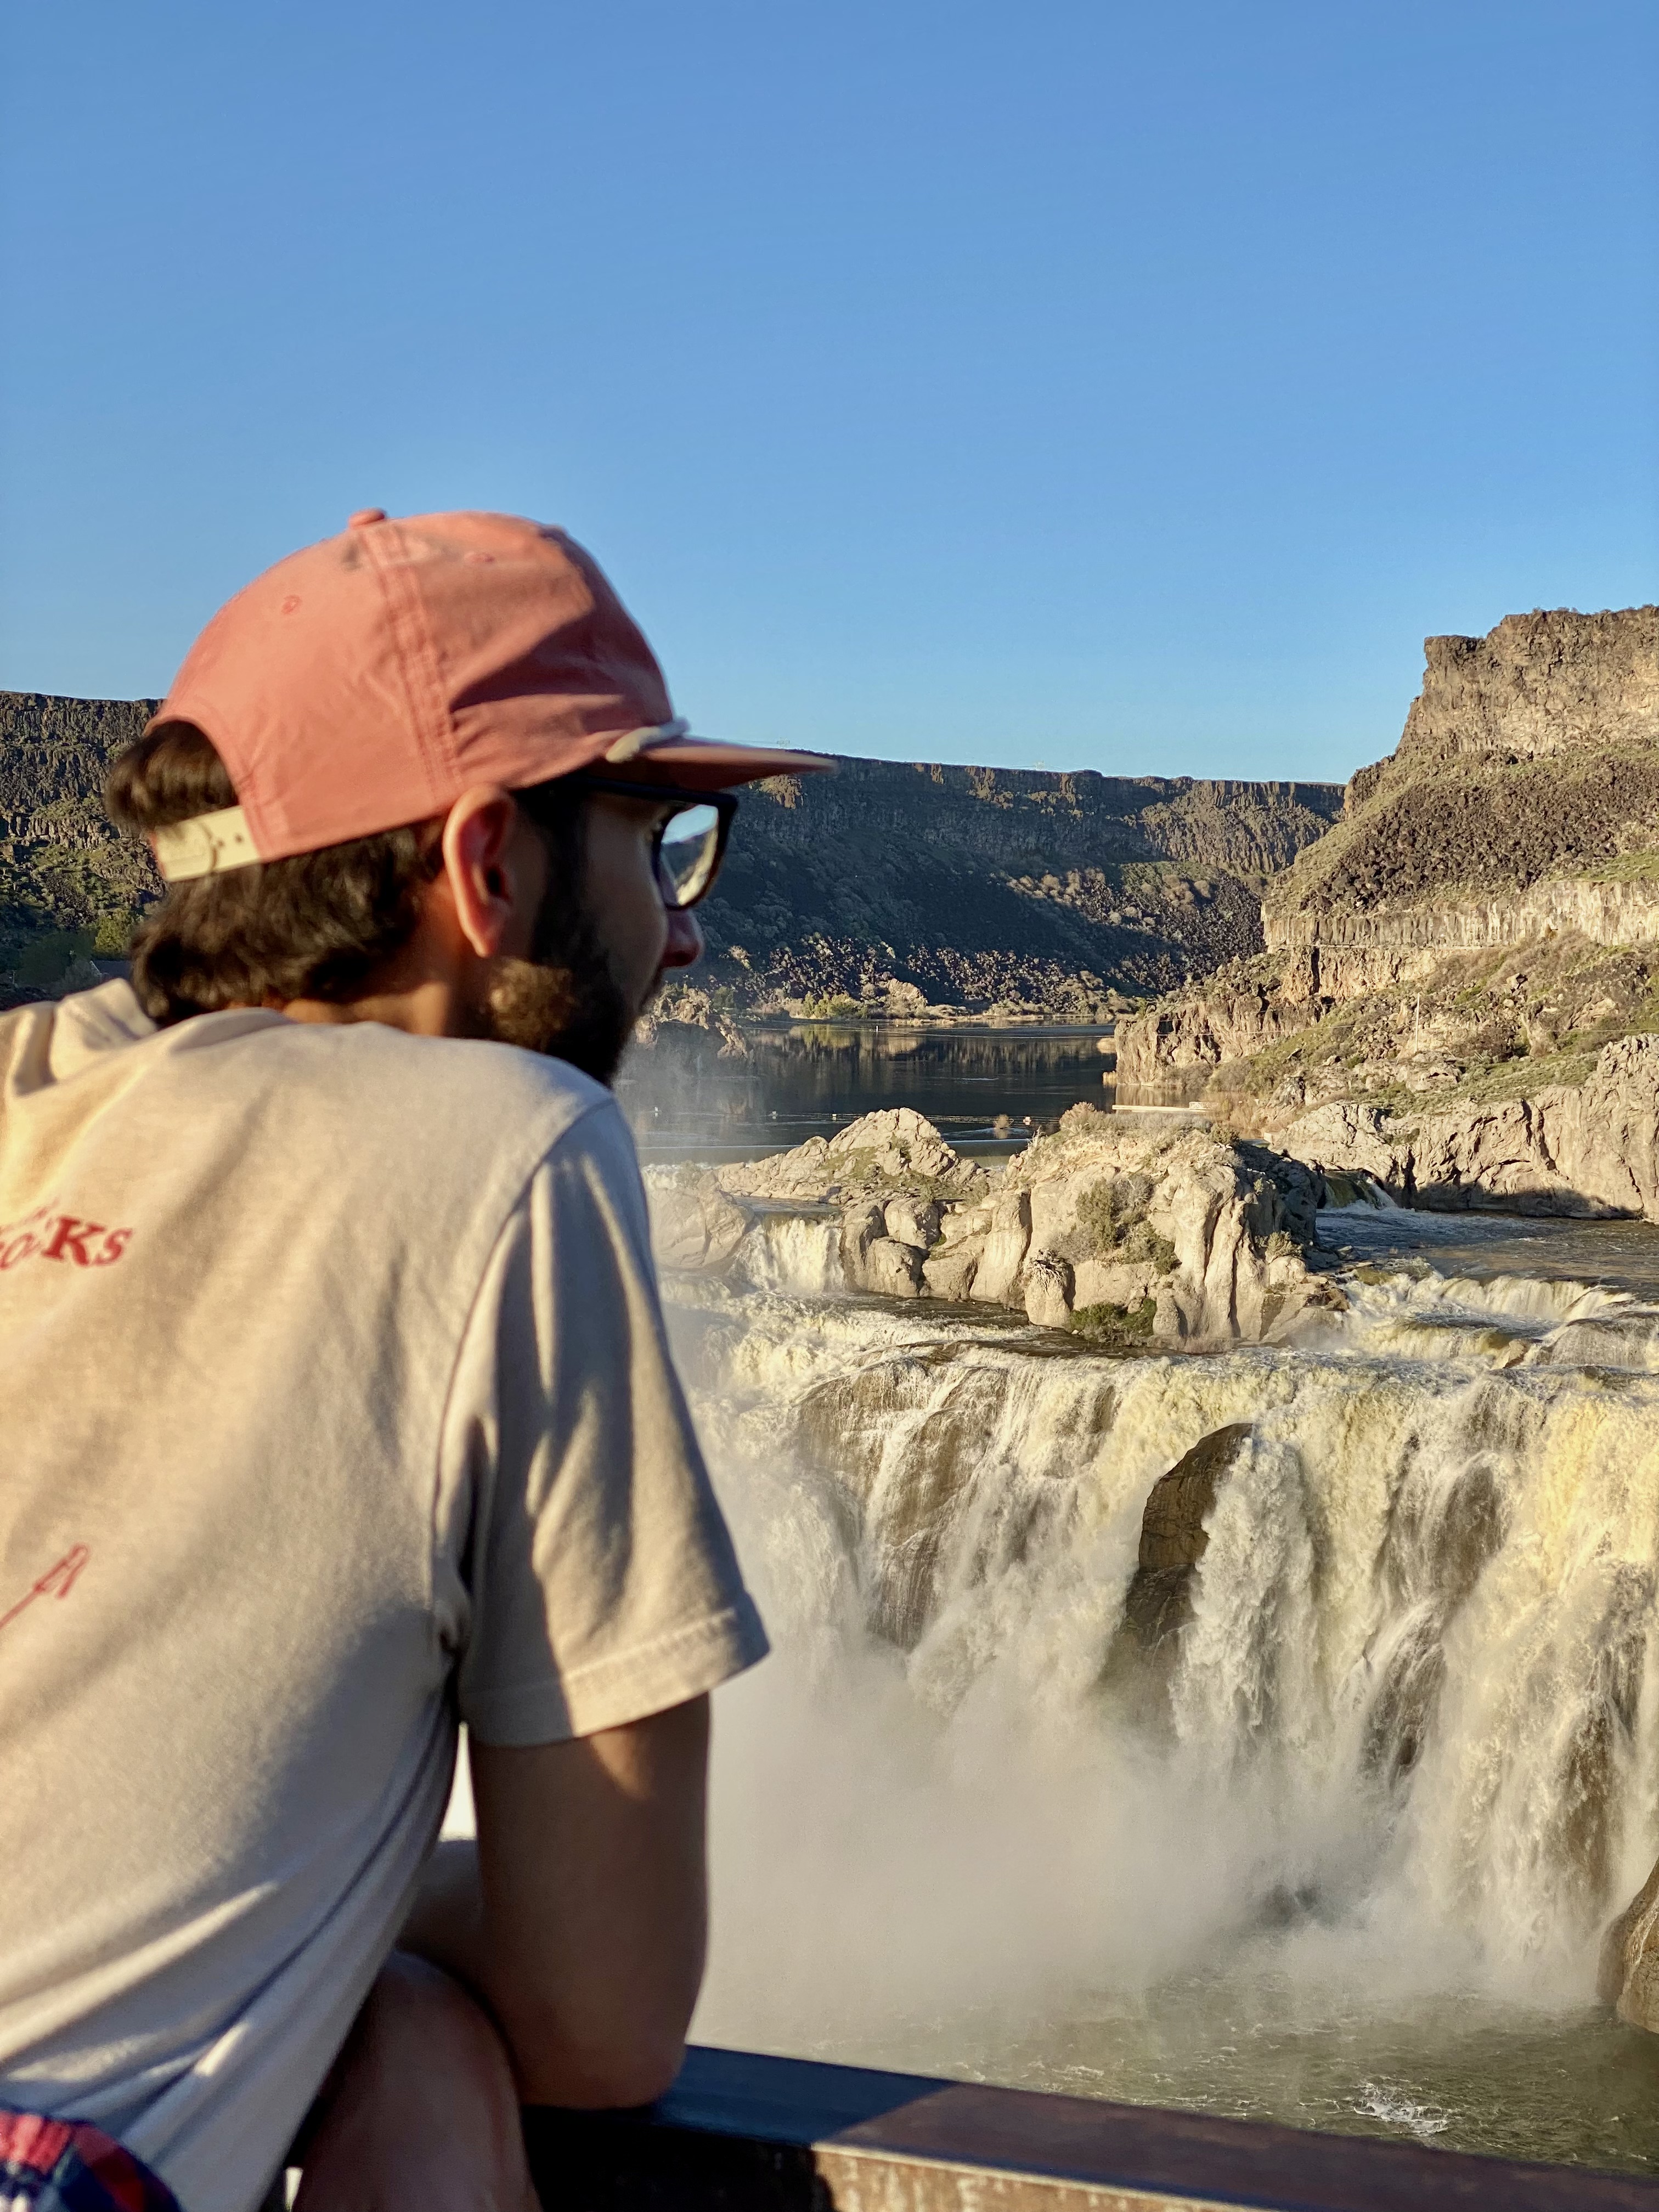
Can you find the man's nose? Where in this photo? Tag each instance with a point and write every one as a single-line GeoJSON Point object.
{"type": "Point", "coordinates": [684, 939]}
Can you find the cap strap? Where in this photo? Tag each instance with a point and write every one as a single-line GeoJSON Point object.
{"type": "Point", "coordinates": [206, 845]}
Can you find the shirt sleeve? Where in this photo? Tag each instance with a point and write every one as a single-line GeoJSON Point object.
{"type": "Point", "coordinates": [601, 1585]}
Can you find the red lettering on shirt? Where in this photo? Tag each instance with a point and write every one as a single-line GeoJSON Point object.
{"type": "Point", "coordinates": [47, 1234]}
{"type": "Point", "coordinates": [69, 1240]}
{"type": "Point", "coordinates": [57, 1580]}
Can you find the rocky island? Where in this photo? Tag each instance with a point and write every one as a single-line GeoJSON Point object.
{"type": "Point", "coordinates": [1182, 1240]}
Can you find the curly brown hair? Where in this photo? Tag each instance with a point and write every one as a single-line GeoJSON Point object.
{"type": "Point", "coordinates": [318, 925]}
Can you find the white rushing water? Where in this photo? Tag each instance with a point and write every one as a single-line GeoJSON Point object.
{"type": "Point", "coordinates": [1405, 1748]}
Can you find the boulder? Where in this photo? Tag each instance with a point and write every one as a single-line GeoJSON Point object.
{"type": "Point", "coordinates": [892, 1270]}
{"type": "Point", "coordinates": [802, 1174]}
{"type": "Point", "coordinates": [1046, 1281]}
{"type": "Point", "coordinates": [861, 1225]}
{"type": "Point", "coordinates": [1628, 1977]}
{"type": "Point", "coordinates": [896, 1149]}
{"type": "Point", "coordinates": [873, 1261]}
{"type": "Point", "coordinates": [1113, 1283]}
{"type": "Point", "coordinates": [1006, 1246]}
{"type": "Point", "coordinates": [959, 1221]}
{"type": "Point", "coordinates": [949, 1270]}
{"type": "Point", "coordinates": [694, 1225]}
{"type": "Point", "coordinates": [900, 1144]}
{"type": "Point", "coordinates": [913, 1221]}
{"type": "Point", "coordinates": [1348, 1136]}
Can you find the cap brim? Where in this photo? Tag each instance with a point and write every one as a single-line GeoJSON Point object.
{"type": "Point", "coordinates": [706, 764]}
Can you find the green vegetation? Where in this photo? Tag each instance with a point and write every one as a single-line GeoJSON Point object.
{"type": "Point", "coordinates": [862, 1169]}
{"type": "Point", "coordinates": [1116, 1321]}
{"type": "Point", "coordinates": [1112, 1215]}
{"type": "Point", "coordinates": [1624, 868]}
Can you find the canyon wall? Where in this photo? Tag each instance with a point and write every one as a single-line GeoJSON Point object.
{"type": "Point", "coordinates": [888, 885]}
{"type": "Point", "coordinates": [966, 886]}
{"type": "Point", "coordinates": [1490, 897]}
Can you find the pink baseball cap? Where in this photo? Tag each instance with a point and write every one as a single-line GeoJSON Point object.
{"type": "Point", "coordinates": [370, 680]}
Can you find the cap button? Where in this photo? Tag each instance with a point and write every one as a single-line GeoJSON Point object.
{"type": "Point", "coordinates": [364, 516]}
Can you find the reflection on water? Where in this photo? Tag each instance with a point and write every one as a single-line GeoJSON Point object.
{"type": "Point", "coordinates": [812, 1077]}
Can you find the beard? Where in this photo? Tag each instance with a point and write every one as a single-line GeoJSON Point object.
{"type": "Point", "coordinates": [562, 1000]}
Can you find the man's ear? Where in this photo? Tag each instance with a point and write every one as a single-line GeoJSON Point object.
{"type": "Point", "coordinates": [494, 866]}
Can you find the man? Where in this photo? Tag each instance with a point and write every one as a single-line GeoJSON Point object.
{"type": "Point", "coordinates": [338, 1407]}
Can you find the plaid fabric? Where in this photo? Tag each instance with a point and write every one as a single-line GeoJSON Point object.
{"type": "Point", "coordinates": [70, 2165]}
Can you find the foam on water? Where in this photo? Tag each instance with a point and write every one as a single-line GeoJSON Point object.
{"type": "Point", "coordinates": [1408, 1741]}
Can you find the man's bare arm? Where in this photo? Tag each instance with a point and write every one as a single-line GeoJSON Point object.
{"type": "Point", "coordinates": [580, 1918]}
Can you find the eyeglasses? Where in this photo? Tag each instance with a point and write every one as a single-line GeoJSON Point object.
{"type": "Point", "coordinates": [688, 845]}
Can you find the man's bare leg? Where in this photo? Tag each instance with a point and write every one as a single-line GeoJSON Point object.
{"type": "Point", "coordinates": [420, 2113]}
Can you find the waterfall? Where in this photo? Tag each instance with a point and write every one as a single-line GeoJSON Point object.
{"type": "Point", "coordinates": [791, 1252]}
{"type": "Point", "coordinates": [1406, 1736]}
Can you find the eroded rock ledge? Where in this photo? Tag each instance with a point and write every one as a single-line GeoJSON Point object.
{"type": "Point", "coordinates": [1111, 1231]}
{"type": "Point", "coordinates": [1590, 1151]}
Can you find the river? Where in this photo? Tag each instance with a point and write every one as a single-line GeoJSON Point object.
{"type": "Point", "coordinates": [981, 1087]}
{"type": "Point", "coordinates": [1353, 1876]}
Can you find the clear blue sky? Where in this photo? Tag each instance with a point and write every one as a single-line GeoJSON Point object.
{"type": "Point", "coordinates": [1114, 386]}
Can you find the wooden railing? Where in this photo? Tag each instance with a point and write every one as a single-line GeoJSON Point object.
{"type": "Point", "coordinates": [740, 2133]}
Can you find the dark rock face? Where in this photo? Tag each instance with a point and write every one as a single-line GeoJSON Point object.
{"type": "Point", "coordinates": [69, 886]}
{"type": "Point", "coordinates": [1492, 891]}
{"type": "Point", "coordinates": [974, 885]}
{"type": "Point", "coordinates": [970, 886]}
{"type": "Point", "coordinates": [1529, 752]}
{"type": "Point", "coordinates": [1173, 1537]}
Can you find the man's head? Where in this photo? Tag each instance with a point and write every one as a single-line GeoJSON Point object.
{"type": "Point", "coordinates": [426, 773]}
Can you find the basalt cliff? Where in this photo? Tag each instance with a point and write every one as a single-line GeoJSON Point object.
{"type": "Point", "coordinates": [885, 888]}
{"type": "Point", "coordinates": [1469, 960]}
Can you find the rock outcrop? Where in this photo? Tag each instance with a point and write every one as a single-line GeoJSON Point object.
{"type": "Point", "coordinates": [1140, 1658]}
{"type": "Point", "coordinates": [694, 1224]}
{"type": "Point", "coordinates": [887, 887]}
{"type": "Point", "coordinates": [1174, 1537]}
{"type": "Point", "coordinates": [1479, 926]}
{"type": "Point", "coordinates": [69, 885]}
{"type": "Point", "coordinates": [1628, 1975]}
{"type": "Point", "coordinates": [899, 889]}
{"type": "Point", "coordinates": [1589, 1150]}
{"type": "Point", "coordinates": [1097, 1226]}
{"type": "Point", "coordinates": [898, 1151]}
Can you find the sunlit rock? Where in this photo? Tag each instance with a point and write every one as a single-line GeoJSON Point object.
{"type": "Point", "coordinates": [1045, 1281]}
{"type": "Point", "coordinates": [694, 1224]}
{"type": "Point", "coordinates": [949, 1269]}
{"type": "Point", "coordinates": [1006, 1247]}
{"type": "Point", "coordinates": [892, 1270]}
{"type": "Point", "coordinates": [1628, 1978]}
{"type": "Point", "coordinates": [861, 1226]}
{"type": "Point", "coordinates": [913, 1221]}
{"type": "Point", "coordinates": [1588, 1151]}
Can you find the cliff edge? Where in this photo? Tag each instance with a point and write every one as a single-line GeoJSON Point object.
{"type": "Point", "coordinates": [1481, 923]}
{"type": "Point", "coordinates": [887, 887]}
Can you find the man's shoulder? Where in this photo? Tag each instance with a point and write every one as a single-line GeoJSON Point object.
{"type": "Point", "coordinates": [455, 1098]}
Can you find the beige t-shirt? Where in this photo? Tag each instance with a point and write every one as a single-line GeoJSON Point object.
{"type": "Point", "coordinates": [334, 1404]}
